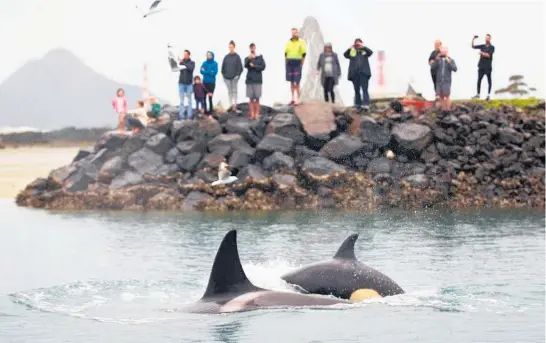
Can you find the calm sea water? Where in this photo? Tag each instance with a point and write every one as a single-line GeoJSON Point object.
{"type": "Point", "coordinates": [122, 277]}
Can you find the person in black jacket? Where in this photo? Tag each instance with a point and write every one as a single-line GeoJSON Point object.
{"type": "Point", "coordinates": [485, 64]}
{"type": "Point", "coordinates": [359, 71]}
{"type": "Point", "coordinates": [185, 85]}
{"type": "Point", "coordinates": [434, 55]}
{"type": "Point", "coordinates": [255, 65]}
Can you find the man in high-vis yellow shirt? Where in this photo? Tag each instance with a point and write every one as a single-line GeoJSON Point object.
{"type": "Point", "coordinates": [294, 54]}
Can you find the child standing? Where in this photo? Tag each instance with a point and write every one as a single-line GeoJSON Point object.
{"type": "Point", "coordinates": [209, 69]}
{"type": "Point", "coordinates": [119, 104]}
{"type": "Point", "coordinates": [200, 93]}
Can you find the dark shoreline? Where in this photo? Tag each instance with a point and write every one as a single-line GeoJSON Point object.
{"type": "Point", "coordinates": [312, 157]}
{"type": "Point", "coordinates": [66, 137]}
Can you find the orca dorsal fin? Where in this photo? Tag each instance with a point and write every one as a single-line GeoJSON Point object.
{"type": "Point", "coordinates": [227, 274]}
{"type": "Point", "coordinates": [346, 250]}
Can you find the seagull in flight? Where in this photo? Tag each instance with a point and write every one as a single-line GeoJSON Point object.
{"type": "Point", "coordinates": [153, 8]}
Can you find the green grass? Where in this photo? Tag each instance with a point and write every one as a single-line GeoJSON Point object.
{"type": "Point", "coordinates": [497, 103]}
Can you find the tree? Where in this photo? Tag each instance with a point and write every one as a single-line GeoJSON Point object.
{"type": "Point", "coordinates": [516, 86]}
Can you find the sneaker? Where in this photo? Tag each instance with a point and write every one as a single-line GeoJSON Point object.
{"type": "Point", "coordinates": [476, 96]}
{"type": "Point", "coordinates": [366, 108]}
{"type": "Point", "coordinates": [487, 99]}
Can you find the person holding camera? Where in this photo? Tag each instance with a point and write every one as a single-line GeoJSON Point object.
{"type": "Point", "coordinates": [359, 71]}
{"type": "Point", "coordinates": [485, 64]}
{"type": "Point", "coordinates": [443, 66]}
{"type": "Point", "coordinates": [433, 56]}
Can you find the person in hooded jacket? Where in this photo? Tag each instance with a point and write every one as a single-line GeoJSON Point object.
{"type": "Point", "coordinates": [329, 69]}
{"type": "Point", "coordinates": [209, 69]}
{"type": "Point", "coordinates": [359, 71]}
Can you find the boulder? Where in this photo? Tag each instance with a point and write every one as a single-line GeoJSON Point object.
{"type": "Point", "coordinates": [418, 180]}
{"type": "Point", "coordinates": [278, 162]}
{"type": "Point", "coordinates": [342, 148]}
{"type": "Point", "coordinates": [78, 181]}
{"type": "Point", "coordinates": [318, 122]}
{"type": "Point", "coordinates": [508, 135]}
{"type": "Point", "coordinates": [159, 143]}
{"type": "Point", "coordinates": [211, 161]}
{"type": "Point", "coordinates": [187, 147]}
{"type": "Point", "coordinates": [321, 166]}
{"type": "Point", "coordinates": [380, 165]}
{"type": "Point", "coordinates": [110, 141]}
{"type": "Point", "coordinates": [244, 127]}
{"type": "Point", "coordinates": [234, 141]}
{"type": "Point", "coordinates": [286, 125]}
{"type": "Point", "coordinates": [183, 130]}
{"type": "Point", "coordinates": [273, 143]}
{"type": "Point", "coordinates": [251, 171]}
{"type": "Point", "coordinates": [112, 168]}
{"type": "Point", "coordinates": [209, 128]}
{"type": "Point", "coordinates": [240, 158]}
{"type": "Point", "coordinates": [372, 132]}
{"type": "Point", "coordinates": [302, 153]}
{"type": "Point", "coordinates": [127, 178]}
{"type": "Point", "coordinates": [145, 161]}
{"type": "Point", "coordinates": [59, 175]}
{"type": "Point", "coordinates": [284, 179]}
{"type": "Point", "coordinates": [172, 154]}
{"type": "Point", "coordinates": [132, 145]}
{"type": "Point", "coordinates": [412, 137]}
{"type": "Point", "coordinates": [193, 199]}
{"type": "Point", "coordinates": [188, 163]}
{"type": "Point", "coordinates": [82, 153]}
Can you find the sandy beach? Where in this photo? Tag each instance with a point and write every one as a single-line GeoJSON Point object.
{"type": "Point", "coordinates": [20, 166]}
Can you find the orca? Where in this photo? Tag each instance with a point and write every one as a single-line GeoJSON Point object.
{"type": "Point", "coordinates": [343, 276]}
{"type": "Point", "coordinates": [229, 289]}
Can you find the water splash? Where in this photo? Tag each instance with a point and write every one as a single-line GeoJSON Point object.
{"type": "Point", "coordinates": [137, 301]}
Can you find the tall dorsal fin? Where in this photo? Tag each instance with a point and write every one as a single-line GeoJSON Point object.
{"type": "Point", "coordinates": [227, 274]}
{"type": "Point", "coordinates": [347, 248]}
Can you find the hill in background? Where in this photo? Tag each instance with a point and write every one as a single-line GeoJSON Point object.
{"type": "Point", "coordinates": [57, 91]}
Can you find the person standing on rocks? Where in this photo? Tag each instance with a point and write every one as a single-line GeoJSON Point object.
{"type": "Point", "coordinates": [255, 65]}
{"type": "Point", "coordinates": [443, 67]}
{"type": "Point", "coordinates": [119, 104]}
{"type": "Point", "coordinates": [185, 85]}
{"type": "Point", "coordinates": [232, 68]}
{"type": "Point", "coordinates": [359, 72]}
{"type": "Point", "coordinates": [209, 70]}
{"type": "Point", "coordinates": [294, 55]}
{"type": "Point", "coordinates": [485, 64]}
{"type": "Point", "coordinates": [433, 56]}
{"type": "Point", "coordinates": [330, 70]}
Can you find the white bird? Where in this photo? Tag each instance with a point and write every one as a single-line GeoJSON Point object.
{"type": "Point", "coordinates": [224, 175]}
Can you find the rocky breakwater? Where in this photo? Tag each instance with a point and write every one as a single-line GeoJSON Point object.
{"type": "Point", "coordinates": [308, 157]}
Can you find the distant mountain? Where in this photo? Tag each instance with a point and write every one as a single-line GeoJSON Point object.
{"type": "Point", "coordinates": [58, 91]}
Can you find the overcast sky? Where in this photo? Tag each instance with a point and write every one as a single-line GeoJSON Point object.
{"type": "Point", "coordinates": [111, 37]}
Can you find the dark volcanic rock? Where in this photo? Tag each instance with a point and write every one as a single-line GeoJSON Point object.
{"type": "Point", "coordinates": [318, 122]}
{"type": "Point", "coordinates": [145, 161]}
{"type": "Point", "coordinates": [159, 143]}
{"type": "Point", "coordinates": [251, 171]}
{"type": "Point", "coordinates": [278, 162]}
{"type": "Point", "coordinates": [82, 153]}
{"type": "Point", "coordinates": [342, 148]}
{"type": "Point", "coordinates": [302, 153]}
{"type": "Point", "coordinates": [372, 132]}
{"type": "Point", "coordinates": [126, 179]}
{"type": "Point", "coordinates": [273, 143]}
{"type": "Point", "coordinates": [110, 141]}
{"type": "Point", "coordinates": [132, 145]}
{"type": "Point", "coordinates": [411, 137]}
{"type": "Point", "coordinates": [321, 166]}
{"type": "Point", "coordinates": [287, 125]}
{"type": "Point", "coordinates": [380, 166]}
{"type": "Point", "coordinates": [240, 158]}
{"type": "Point", "coordinates": [187, 147]}
{"type": "Point", "coordinates": [188, 163]}
{"type": "Point", "coordinates": [111, 169]}
{"type": "Point", "coordinates": [233, 141]}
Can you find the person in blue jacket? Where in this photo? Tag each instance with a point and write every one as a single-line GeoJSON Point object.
{"type": "Point", "coordinates": [209, 69]}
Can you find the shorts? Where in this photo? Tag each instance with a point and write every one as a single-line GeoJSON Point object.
{"type": "Point", "coordinates": [443, 90]}
{"type": "Point", "coordinates": [293, 71]}
{"type": "Point", "coordinates": [254, 91]}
